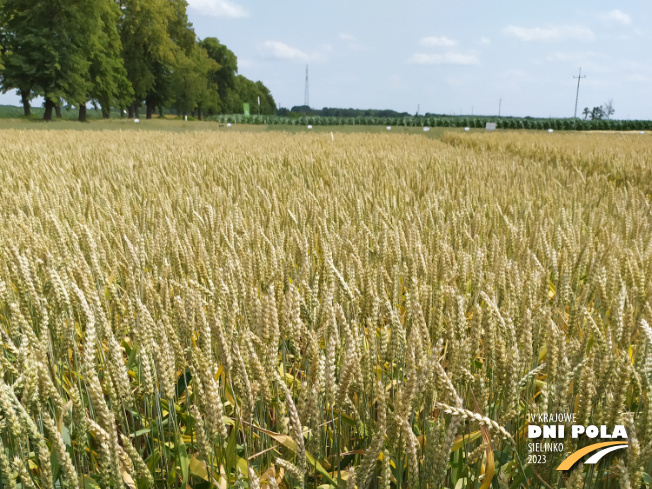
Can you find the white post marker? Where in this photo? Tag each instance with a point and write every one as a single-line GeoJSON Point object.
{"type": "Point", "coordinates": [426, 129]}
{"type": "Point", "coordinates": [642, 132]}
{"type": "Point", "coordinates": [467, 129]}
{"type": "Point", "coordinates": [309, 126]}
{"type": "Point", "coordinates": [136, 121]}
{"type": "Point", "coordinates": [389, 128]}
{"type": "Point", "coordinates": [185, 118]}
{"type": "Point", "coordinates": [550, 130]}
{"type": "Point", "coordinates": [228, 124]}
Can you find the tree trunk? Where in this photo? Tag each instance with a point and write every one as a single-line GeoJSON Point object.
{"type": "Point", "coordinates": [131, 110]}
{"type": "Point", "coordinates": [105, 104]}
{"type": "Point", "coordinates": [57, 109]}
{"type": "Point", "coordinates": [136, 113]}
{"type": "Point", "coordinates": [24, 96]}
{"type": "Point", "coordinates": [49, 105]}
{"type": "Point", "coordinates": [199, 112]}
{"type": "Point", "coordinates": [122, 113]}
{"type": "Point", "coordinates": [151, 107]}
{"type": "Point", "coordinates": [82, 113]}
{"type": "Point", "coordinates": [160, 112]}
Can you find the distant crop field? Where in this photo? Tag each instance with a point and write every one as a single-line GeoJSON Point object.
{"type": "Point", "coordinates": [177, 125]}
{"type": "Point", "coordinates": [250, 308]}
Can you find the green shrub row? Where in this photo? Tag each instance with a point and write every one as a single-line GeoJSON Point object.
{"type": "Point", "coordinates": [503, 123]}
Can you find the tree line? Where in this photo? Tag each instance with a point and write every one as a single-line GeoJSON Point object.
{"type": "Point", "coordinates": [122, 54]}
{"type": "Point", "coordinates": [600, 112]}
{"type": "Point", "coordinates": [304, 110]}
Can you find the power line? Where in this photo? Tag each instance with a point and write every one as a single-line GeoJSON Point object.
{"type": "Point", "coordinates": [306, 96]}
{"type": "Point", "coordinates": [577, 94]}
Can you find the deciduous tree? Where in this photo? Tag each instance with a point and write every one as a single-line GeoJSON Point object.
{"type": "Point", "coordinates": [193, 88]}
{"type": "Point", "coordinates": [224, 77]}
{"type": "Point", "coordinates": [49, 49]}
{"type": "Point", "coordinates": [107, 75]}
{"type": "Point", "coordinates": [146, 44]}
{"type": "Point", "coordinates": [608, 109]}
{"type": "Point", "coordinates": [247, 91]}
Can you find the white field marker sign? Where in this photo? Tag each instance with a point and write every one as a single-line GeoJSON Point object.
{"type": "Point", "coordinates": [309, 127]}
{"type": "Point", "coordinates": [228, 124]}
{"type": "Point", "coordinates": [467, 129]}
{"type": "Point", "coordinates": [642, 132]}
{"type": "Point", "coordinates": [136, 121]}
{"type": "Point", "coordinates": [426, 129]}
{"type": "Point", "coordinates": [550, 130]}
{"type": "Point", "coordinates": [185, 118]}
{"type": "Point", "coordinates": [389, 128]}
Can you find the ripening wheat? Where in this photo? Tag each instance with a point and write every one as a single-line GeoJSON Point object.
{"type": "Point", "coordinates": [272, 310]}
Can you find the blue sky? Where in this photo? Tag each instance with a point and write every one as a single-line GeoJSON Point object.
{"type": "Point", "coordinates": [447, 57]}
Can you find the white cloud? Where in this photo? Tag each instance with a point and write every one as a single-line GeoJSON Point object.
{"type": "Point", "coordinates": [485, 40]}
{"type": "Point", "coordinates": [218, 8]}
{"type": "Point", "coordinates": [347, 37]}
{"type": "Point", "coordinates": [280, 50]}
{"type": "Point", "coordinates": [444, 59]}
{"type": "Point", "coordinates": [277, 49]}
{"type": "Point", "coordinates": [558, 33]}
{"type": "Point", "coordinates": [437, 41]}
{"type": "Point", "coordinates": [617, 16]}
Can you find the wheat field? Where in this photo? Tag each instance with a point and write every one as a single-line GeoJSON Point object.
{"type": "Point", "coordinates": [251, 310]}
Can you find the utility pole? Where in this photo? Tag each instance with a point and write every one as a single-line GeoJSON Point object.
{"type": "Point", "coordinates": [500, 102]}
{"type": "Point", "coordinates": [577, 94]}
{"type": "Point", "coordinates": [306, 96]}
{"type": "Point", "coordinates": [418, 107]}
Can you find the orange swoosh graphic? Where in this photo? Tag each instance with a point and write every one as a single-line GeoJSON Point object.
{"type": "Point", "coordinates": [575, 456]}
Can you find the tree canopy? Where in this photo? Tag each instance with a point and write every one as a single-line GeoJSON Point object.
{"type": "Point", "coordinates": [600, 112]}
{"type": "Point", "coordinates": [47, 49]}
{"type": "Point", "coordinates": [119, 54]}
{"type": "Point", "coordinates": [225, 75]}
